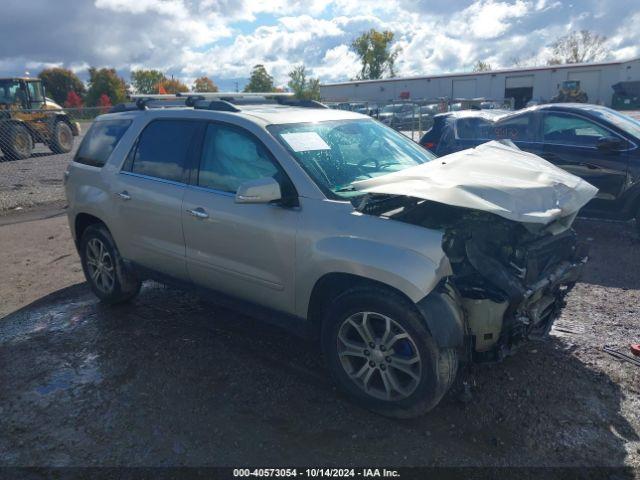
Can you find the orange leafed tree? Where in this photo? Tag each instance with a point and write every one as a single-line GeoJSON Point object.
{"type": "Point", "coordinates": [171, 86]}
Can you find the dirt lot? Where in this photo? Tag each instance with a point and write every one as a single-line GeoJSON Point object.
{"type": "Point", "coordinates": [173, 380]}
{"type": "Point", "coordinates": [36, 180]}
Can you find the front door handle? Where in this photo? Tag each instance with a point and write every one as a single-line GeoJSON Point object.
{"type": "Point", "coordinates": [198, 212]}
{"type": "Point", "coordinates": [124, 195]}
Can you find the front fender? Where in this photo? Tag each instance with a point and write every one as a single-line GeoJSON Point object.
{"type": "Point", "coordinates": [442, 311]}
{"type": "Point", "coordinates": [408, 271]}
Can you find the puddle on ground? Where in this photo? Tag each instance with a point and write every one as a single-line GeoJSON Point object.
{"type": "Point", "coordinates": [67, 378]}
{"type": "Point", "coordinates": [57, 317]}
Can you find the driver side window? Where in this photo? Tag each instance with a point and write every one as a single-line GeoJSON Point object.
{"type": "Point", "coordinates": [231, 157]}
{"type": "Point", "coordinates": [571, 130]}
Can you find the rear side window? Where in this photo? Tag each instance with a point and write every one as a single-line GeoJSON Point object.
{"type": "Point", "coordinates": [162, 148]}
{"type": "Point", "coordinates": [513, 128]}
{"type": "Point", "coordinates": [472, 128]}
{"type": "Point", "coordinates": [100, 140]}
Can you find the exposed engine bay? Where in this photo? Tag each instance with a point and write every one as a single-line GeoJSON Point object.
{"type": "Point", "coordinates": [512, 277]}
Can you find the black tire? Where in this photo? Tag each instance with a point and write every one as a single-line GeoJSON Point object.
{"type": "Point", "coordinates": [438, 368]}
{"type": "Point", "coordinates": [62, 138]}
{"type": "Point", "coordinates": [125, 285]}
{"type": "Point", "coordinates": [18, 144]}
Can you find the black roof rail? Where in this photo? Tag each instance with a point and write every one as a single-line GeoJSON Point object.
{"type": "Point", "coordinates": [127, 107]}
{"type": "Point", "coordinates": [218, 105]}
{"type": "Point", "coordinates": [295, 102]}
{"type": "Point", "coordinates": [222, 102]}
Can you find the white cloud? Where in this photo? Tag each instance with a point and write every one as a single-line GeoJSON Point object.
{"type": "Point", "coordinates": [163, 7]}
{"type": "Point", "coordinates": [225, 38]}
{"type": "Point", "coordinates": [488, 19]}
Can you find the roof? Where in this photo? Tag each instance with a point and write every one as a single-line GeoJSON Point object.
{"type": "Point", "coordinates": [279, 114]}
{"type": "Point", "coordinates": [490, 72]}
{"type": "Point", "coordinates": [267, 114]}
{"type": "Point", "coordinates": [497, 114]}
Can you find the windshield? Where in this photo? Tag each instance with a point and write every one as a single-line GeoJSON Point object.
{"type": "Point", "coordinates": [8, 90]}
{"type": "Point", "coordinates": [337, 153]}
{"type": "Point", "coordinates": [623, 122]}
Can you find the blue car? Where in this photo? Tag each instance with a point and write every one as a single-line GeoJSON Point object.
{"type": "Point", "coordinates": [593, 142]}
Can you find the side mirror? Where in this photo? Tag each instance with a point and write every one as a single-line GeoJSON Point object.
{"type": "Point", "coordinates": [609, 143]}
{"type": "Point", "coordinates": [262, 190]}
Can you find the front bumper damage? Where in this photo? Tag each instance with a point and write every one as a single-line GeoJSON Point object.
{"type": "Point", "coordinates": [506, 217]}
{"type": "Point", "coordinates": [532, 320]}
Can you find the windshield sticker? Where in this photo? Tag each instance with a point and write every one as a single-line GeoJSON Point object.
{"type": "Point", "coordinates": [305, 141]}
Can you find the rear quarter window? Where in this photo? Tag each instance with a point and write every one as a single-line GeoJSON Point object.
{"type": "Point", "coordinates": [100, 141]}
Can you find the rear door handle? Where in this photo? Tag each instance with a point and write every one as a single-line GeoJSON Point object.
{"type": "Point", "coordinates": [198, 212]}
{"type": "Point", "coordinates": [124, 195]}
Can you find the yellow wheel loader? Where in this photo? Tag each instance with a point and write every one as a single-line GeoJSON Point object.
{"type": "Point", "coordinates": [27, 117]}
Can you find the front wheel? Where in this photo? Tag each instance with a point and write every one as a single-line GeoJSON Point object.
{"type": "Point", "coordinates": [380, 353]}
{"type": "Point", "coordinates": [108, 276]}
{"type": "Point", "coordinates": [62, 138]}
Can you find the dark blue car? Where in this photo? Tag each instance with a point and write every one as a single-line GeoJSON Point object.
{"type": "Point", "coordinates": [590, 141]}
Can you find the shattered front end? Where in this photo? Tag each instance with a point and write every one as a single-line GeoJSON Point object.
{"type": "Point", "coordinates": [506, 219]}
{"type": "Point", "coordinates": [512, 282]}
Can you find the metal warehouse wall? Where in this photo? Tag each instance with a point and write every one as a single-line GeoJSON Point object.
{"type": "Point", "coordinates": [596, 80]}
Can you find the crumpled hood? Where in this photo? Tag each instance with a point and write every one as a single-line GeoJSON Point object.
{"type": "Point", "coordinates": [492, 177]}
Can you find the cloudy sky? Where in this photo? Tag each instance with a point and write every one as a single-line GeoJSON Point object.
{"type": "Point", "coordinates": [225, 38]}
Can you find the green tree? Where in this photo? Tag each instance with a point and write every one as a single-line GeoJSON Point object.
{"type": "Point", "coordinates": [59, 82]}
{"type": "Point", "coordinates": [105, 81]}
{"type": "Point", "coordinates": [304, 88]}
{"type": "Point", "coordinates": [204, 84]}
{"type": "Point", "coordinates": [260, 80]}
{"type": "Point", "coordinates": [578, 47]}
{"type": "Point", "coordinates": [481, 66]}
{"type": "Point", "coordinates": [146, 81]}
{"type": "Point", "coordinates": [377, 57]}
{"type": "Point", "coordinates": [172, 86]}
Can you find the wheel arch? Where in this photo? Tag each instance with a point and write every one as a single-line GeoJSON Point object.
{"type": "Point", "coordinates": [440, 309]}
{"type": "Point", "coordinates": [83, 221]}
{"type": "Point", "coordinates": [331, 285]}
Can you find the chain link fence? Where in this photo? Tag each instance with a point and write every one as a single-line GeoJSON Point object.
{"type": "Point", "coordinates": [25, 133]}
{"type": "Point", "coordinates": [415, 117]}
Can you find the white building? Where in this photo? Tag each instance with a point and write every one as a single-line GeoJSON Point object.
{"type": "Point", "coordinates": [521, 84]}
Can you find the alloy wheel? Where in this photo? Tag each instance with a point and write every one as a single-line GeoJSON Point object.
{"type": "Point", "coordinates": [379, 356]}
{"type": "Point", "coordinates": [100, 265]}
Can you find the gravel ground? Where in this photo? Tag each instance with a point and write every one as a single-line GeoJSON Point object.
{"type": "Point", "coordinates": [36, 180]}
{"type": "Point", "coordinates": [172, 380]}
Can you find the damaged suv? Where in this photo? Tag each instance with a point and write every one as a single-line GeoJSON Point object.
{"type": "Point", "coordinates": [403, 265]}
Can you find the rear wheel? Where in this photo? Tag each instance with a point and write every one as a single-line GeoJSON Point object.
{"type": "Point", "coordinates": [380, 353]}
{"type": "Point", "coordinates": [108, 276]}
{"type": "Point", "coordinates": [19, 143]}
{"type": "Point", "coordinates": [62, 138]}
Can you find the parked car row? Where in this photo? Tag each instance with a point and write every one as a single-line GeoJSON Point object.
{"type": "Point", "coordinates": [593, 142]}
{"type": "Point", "coordinates": [415, 115]}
